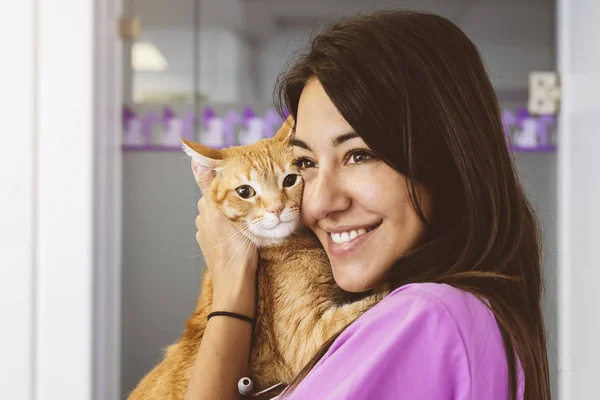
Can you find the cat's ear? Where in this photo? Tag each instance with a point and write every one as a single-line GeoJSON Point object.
{"type": "Point", "coordinates": [202, 156]}
{"type": "Point", "coordinates": [285, 132]}
{"type": "Point", "coordinates": [205, 161]}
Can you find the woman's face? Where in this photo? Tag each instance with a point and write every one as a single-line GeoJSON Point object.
{"type": "Point", "coordinates": [357, 205]}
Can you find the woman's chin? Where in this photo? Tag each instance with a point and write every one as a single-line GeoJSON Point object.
{"type": "Point", "coordinates": [351, 283]}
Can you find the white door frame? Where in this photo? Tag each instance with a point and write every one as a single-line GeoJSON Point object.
{"type": "Point", "coordinates": [108, 91]}
{"type": "Point", "coordinates": [578, 34]}
{"type": "Point", "coordinates": [17, 203]}
{"type": "Point", "coordinates": [60, 174]}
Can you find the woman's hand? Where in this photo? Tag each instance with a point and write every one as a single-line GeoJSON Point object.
{"type": "Point", "coordinates": [230, 257]}
{"type": "Point", "coordinates": [231, 260]}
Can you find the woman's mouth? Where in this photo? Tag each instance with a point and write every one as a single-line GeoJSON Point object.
{"type": "Point", "coordinates": [345, 237]}
{"type": "Point", "coordinates": [344, 242]}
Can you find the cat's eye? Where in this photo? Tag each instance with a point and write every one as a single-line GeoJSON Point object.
{"type": "Point", "coordinates": [245, 191]}
{"type": "Point", "coordinates": [290, 180]}
{"type": "Point", "coordinates": [304, 163]}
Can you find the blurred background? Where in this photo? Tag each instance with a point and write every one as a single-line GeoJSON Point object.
{"type": "Point", "coordinates": [103, 267]}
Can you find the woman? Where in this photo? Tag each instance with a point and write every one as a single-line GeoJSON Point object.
{"type": "Point", "coordinates": [398, 130]}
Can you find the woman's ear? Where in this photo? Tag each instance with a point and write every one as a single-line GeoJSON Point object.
{"type": "Point", "coordinates": [285, 132]}
{"type": "Point", "coordinates": [205, 161]}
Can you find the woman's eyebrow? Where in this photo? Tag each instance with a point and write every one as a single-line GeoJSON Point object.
{"type": "Point", "coordinates": [300, 143]}
{"type": "Point", "coordinates": [338, 140]}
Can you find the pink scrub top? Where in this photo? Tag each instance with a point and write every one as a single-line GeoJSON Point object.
{"type": "Point", "coordinates": [424, 341]}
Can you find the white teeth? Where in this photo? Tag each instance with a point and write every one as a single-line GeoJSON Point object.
{"type": "Point", "coordinates": [345, 237]}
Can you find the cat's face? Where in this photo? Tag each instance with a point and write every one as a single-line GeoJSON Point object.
{"type": "Point", "coordinates": [256, 187]}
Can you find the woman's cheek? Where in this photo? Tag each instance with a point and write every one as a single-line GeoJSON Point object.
{"type": "Point", "coordinates": [305, 200]}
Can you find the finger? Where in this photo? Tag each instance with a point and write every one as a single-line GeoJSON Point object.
{"type": "Point", "coordinates": [205, 206]}
{"type": "Point", "coordinates": [198, 238]}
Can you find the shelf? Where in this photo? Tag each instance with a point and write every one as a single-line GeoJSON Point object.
{"type": "Point", "coordinates": [159, 148]}
{"type": "Point", "coordinates": [540, 149]}
{"type": "Point", "coordinates": [151, 148]}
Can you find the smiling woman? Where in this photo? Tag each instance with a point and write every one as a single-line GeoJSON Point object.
{"type": "Point", "coordinates": [436, 193]}
{"type": "Point", "coordinates": [409, 194]}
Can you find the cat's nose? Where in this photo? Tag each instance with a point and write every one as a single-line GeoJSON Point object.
{"type": "Point", "coordinates": [277, 209]}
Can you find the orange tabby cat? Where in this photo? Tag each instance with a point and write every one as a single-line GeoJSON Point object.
{"type": "Point", "coordinates": [299, 305]}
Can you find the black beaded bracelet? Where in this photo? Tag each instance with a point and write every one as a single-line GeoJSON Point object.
{"type": "Point", "coordinates": [230, 314]}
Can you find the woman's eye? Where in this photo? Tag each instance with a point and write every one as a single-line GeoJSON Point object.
{"type": "Point", "coordinates": [245, 191]}
{"type": "Point", "coordinates": [304, 163]}
{"type": "Point", "coordinates": [290, 180]}
{"type": "Point", "coordinates": [358, 157]}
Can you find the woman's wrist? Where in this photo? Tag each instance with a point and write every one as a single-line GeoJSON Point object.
{"type": "Point", "coordinates": [236, 297]}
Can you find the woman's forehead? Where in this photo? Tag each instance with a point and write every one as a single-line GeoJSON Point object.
{"type": "Point", "coordinates": [318, 119]}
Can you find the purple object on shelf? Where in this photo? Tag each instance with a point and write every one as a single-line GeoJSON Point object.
{"type": "Point", "coordinates": [247, 114]}
{"type": "Point", "coordinates": [128, 115]}
{"type": "Point", "coordinates": [188, 125]}
{"type": "Point", "coordinates": [167, 115]}
{"type": "Point", "coordinates": [272, 119]}
{"type": "Point", "coordinates": [522, 115]}
{"type": "Point", "coordinates": [207, 115]}
{"type": "Point", "coordinates": [508, 120]}
{"type": "Point", "coordinates": [232, 118]}
{"type": "Point", "coordinates": [543, 123]}
{"type": "Point", "coordinates": [148, 124]}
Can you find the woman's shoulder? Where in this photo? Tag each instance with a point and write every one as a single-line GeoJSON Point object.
{"type": "Point", "coordinates": [454, 314]}
{"type": "Point", "coordinates": [433, 330]}
{"type": "Point", "coordinates": [460, 307]}
{"type": "Point", "coordinates": [432, 294]}
{"type": "Point", "coordinates": [424, 340]}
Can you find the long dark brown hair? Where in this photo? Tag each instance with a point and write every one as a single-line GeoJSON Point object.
{"type": "Point", "coordinates": [414, 87]}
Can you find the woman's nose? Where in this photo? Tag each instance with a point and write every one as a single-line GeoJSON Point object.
{"type": "Point", "coordinates": [324, 195]}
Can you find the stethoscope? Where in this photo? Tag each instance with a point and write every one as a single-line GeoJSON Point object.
{"type": "Point", "coordinates": [245, 386]}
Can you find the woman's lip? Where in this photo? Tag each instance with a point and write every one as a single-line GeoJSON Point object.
{"type": "Point", "coordinates": [348, 228]}
{"type": "Point", "coordinates": [343, 249]}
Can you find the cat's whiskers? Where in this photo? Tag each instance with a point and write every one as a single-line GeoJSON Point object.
{"type": "Point", "coordinates": [196, 256]}
{"type": "Point", "coordinates": [241, 241]}
{"type": "Point", "coordinates": [232, 237]}
{"type": "Point", "coordinates": [236, 245]}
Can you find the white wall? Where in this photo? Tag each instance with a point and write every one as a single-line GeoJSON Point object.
{"type": "Point", "coordinates": [63, 239]}
{"type": "Point", "coordinates": [17, 204]}
{"type": "Point", "coordinates": [216, 59]}
{"type": "Point", "coordinates": [218, 63]}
